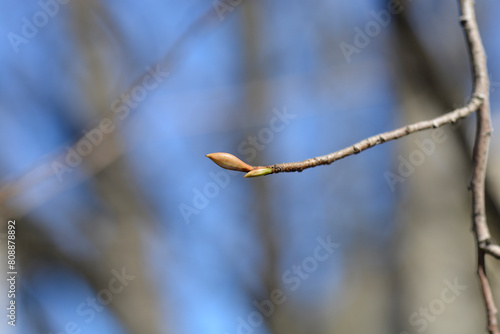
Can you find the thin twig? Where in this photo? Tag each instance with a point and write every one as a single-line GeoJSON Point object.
{"type": "Point", "coordinates": [449, 118]}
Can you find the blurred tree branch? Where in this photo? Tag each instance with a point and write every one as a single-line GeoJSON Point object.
{"type": "Point", "coordinates": [106, 153]}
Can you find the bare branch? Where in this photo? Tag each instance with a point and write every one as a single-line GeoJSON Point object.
{"type": "Point", "coordinates": [493, 250]}
{"type": "Point", "coordinates": [450, 118]}
{"type": "Point", "coordinates": [478, 103]}
{"type": "Point", "coordinates": [480, 156]}
{"type": "Point", "coordinates": [370, 142]}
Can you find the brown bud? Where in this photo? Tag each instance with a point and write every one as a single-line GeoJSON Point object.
{"type": "Point", "coordinates": [229, 161]}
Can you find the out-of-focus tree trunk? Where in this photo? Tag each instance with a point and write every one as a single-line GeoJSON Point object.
{"type": "Point", "coordinates": [137, 305]}
{"type": "Point", "coordinates": [117, 232]}
{"type": "Point", "coordinates": [271, 239]}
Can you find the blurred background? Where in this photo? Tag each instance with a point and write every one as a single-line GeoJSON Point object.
{"type": "Point", "coordinates": [107, 109]}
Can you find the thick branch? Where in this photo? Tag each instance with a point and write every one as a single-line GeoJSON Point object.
{"type": "Point", "coordinates": [480, 156]}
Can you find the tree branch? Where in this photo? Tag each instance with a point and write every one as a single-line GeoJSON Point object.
{"type": "Point", "coordinates": [450, 118]}
{"type": "Point", "coordinates": [478, 103]}
{"type": "Point", "coordinates": [370, 142]}
{"type": "Point", "coordinates": [480, 157]}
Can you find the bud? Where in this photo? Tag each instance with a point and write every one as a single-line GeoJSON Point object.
{"type": "Point", "coordinates": [259, 171]}
{"type": "Point", "coordinates": [229, 161]}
